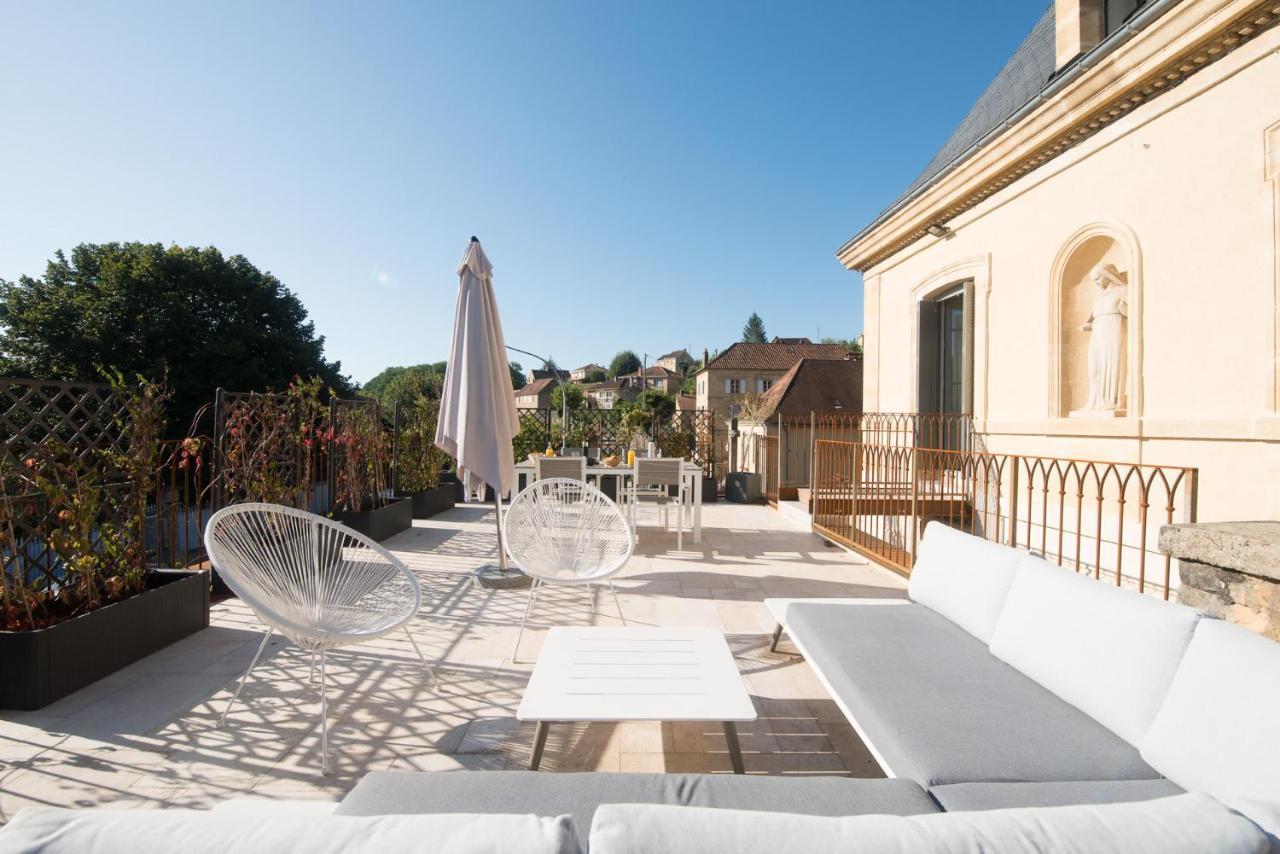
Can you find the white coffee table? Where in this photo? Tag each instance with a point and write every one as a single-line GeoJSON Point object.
{"type": "Point", "coordinates": [636, 674]}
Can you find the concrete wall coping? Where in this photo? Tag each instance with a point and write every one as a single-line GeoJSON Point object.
{"type": "Point", "coordinates": [1249, 547]}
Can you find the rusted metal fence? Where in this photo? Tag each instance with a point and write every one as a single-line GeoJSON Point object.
{"type": "Point", "coordinates": [1094, 517]}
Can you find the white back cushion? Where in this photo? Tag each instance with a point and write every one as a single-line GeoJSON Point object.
{"type": "Point", "coordinates": [962, 577]}
{"type": "Point", "coordinates": [1185, 824]}
{"type": "Point", "coordinates": [1107, 651]}
{"type": "Point", "coordinates": [60, 831]}
{"type": "Point", "coordinates": [1218, 730]}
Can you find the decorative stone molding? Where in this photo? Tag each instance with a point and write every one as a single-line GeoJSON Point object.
{"type": "Point", "coordinates": [1184, 41]}
{"type": "Point", "coordinates": [1230, 570]}
{"type": "Point", "coordinates": [1127, 240]}
{"type": "Point", "coordinates": [1271, 174]}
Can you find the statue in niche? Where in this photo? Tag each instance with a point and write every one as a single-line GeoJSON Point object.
{"type": "Point", "coordinates": [1106, 341]}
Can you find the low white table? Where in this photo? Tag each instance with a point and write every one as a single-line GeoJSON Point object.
{"type": "Point", "coordinates": [636, 674]}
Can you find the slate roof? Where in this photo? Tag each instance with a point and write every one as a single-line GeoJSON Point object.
{"type": "Point", "coordinates": [815, 385]}
{"type": "Point", "coordinates": [1023, 76]}
{"type": "Point", "coordinates": [772, 357]}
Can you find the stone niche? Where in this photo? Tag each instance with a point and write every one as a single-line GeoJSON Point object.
{"type": "Point", "coordinates": [1229, 570]}
{"type": "Point", "coordinates": [1074, 293]}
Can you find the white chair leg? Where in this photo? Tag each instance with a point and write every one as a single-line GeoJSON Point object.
{"type": "Point", "coordinates": [324, 715]}
{"type": "Point", "coordinates": [528, 606]}
{"type": "Point", "coordinates": [222, 719]}
{"type": "Point", "coordinates": [618, 603]}
{"type": "Point", "coordinates": [431, 671]}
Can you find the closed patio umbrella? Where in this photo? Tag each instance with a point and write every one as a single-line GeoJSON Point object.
{"type": "Point", "coordinates": [478, 418]}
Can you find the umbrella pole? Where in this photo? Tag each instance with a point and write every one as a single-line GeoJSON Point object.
{"type": "Point", "coordinates": [499, 576]}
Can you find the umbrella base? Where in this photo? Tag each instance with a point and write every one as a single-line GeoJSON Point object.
{"type": "Point", "coordinates": [492, 577]}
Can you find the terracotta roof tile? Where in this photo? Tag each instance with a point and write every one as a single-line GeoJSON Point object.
{"type": "Point", "coordinates": [773, 357]}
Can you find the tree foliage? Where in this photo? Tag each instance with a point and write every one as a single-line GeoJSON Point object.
{"type": "Point", "coordinates": [753, 332]}
{"type": "Point", "coordinates": [183, 313]}
{"type": "Point", "coordinates": [850, 344]}
{"type": "Point", "coordinates": [572, 392]}
{"type": "Point", "coordinates": [595, 377]}
{"type": "Point", "coordinates": [625, 362]}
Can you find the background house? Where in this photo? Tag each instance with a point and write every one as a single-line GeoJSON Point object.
{"type": "Point", "coordinates": [607, 394]}
{"type": "Point", "coordinates": [813, 388]}
{"type": "Point", "coordinates": [543, 374]}
{"type": "Point", "coordinates": [1143, 136]}
{"type": "Point", "coordinates": [578, 375]}
{"type": "Point", "coordinates": [535, 395]}
{"type": "Point", "coordinates": [655, 377]}
{"type": "Point", "coordinates": [677, 361]}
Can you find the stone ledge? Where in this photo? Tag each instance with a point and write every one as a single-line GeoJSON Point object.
{"type": "Point", "coordinates": [1252, 548]}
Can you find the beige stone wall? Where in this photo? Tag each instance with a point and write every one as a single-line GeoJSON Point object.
{"type": "Point", "coordinates": [1184, 196]}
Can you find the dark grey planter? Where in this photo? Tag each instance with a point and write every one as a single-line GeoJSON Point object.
{"type": "Point", "coordinates": [381, 522]}
{"type": "Point", "coordinates": [39, 667]}
{"type": "Point", "coordinates": [429, 502]}
{"type": "Point", "coordinates": [709, 490]}
{"type": "Point", "coordinates": [742, 487]}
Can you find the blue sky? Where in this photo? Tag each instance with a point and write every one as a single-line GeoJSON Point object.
{"type": "Point", "coordinates": [643, 175]}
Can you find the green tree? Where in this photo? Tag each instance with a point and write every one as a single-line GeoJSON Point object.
{"type": "Point", "coordinates": [407, 386]}
{"type": "Point", "coordinates": [572, 392]}
{"type": "Point", "coordinates": [429, 377]}
{"type": "Point", "coordinates": [850, 344]}
{"type": "Point", "coordinates": [187, 313]}
{"type": "Point", "coordinates": [690, 384]}
{"type": "Point", "coordinates": [517, 375]}
{"type": "Point", "coordinates": [595, 377]}
{"type": "Point", "coordinates": [753, 332]}
{"type": "Point", "coordinates": [626, 362]}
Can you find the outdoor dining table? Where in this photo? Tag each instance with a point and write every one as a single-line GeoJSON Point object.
{"type": "Point", "coordinates": [691, 473]}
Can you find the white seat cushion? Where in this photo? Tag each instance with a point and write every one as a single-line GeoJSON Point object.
{"type": "Point", "coordinates": [962, 577]}
{"type": "Point", "coordinates": [1186, 824]}
{"type": "Point", "coordinates": [1107, 651]}
{"type": "Point", "coordinates": [1218, 730]}
{"type": "Point", "coordinates": [61, 831]}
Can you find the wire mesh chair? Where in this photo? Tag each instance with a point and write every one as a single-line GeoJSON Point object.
{"type": "Point", "coordinates": [313, 580]}
{"type": "Point", "coordinates": [563, 531]}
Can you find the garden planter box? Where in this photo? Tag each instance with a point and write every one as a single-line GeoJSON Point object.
{"type": "Point", "coordinates": [742, 487]}
{"type": "Point", "coordinates": [39, 667]}
{"type": "Point", "coordinates": [429, 502]}
{"type": "Point", "coordinates": [708, 490]}
{"type": "Point", "coordinates": [381, 522]}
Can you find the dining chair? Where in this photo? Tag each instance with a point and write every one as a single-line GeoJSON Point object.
{"type": "Point", "coordinates": [565, 531]}
{"type": "Point", "coordinates": [652, 484]}
{"type": "Point", "coordinates": [574, 468]}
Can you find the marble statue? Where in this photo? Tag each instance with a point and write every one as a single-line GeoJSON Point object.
{"type": "Point", "coordinates": [1106, 340]}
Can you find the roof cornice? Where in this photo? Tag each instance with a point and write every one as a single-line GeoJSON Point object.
{"type": "Point", "coordinates": [1180, 42]}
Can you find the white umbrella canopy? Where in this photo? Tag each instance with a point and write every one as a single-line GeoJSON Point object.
{"type": "Point", "coordinates": [478, 419]}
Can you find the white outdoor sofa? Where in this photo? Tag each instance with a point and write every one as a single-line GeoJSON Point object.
{"type": "Point", "coordinates": [1014, 705]}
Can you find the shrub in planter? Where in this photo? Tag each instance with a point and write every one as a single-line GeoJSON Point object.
{"type": "Point", "coordinates": [418, 462]}
{"type": "Point", "coordinates": [74, 557]}
{"type": "Point", "coordinates": [359, 460]}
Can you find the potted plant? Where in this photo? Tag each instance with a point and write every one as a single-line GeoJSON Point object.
{"type": "Point", "coordinates": [359, 461]}
{"type": "Point", "coordinates": [79, 598]}
{"type": "Point", "coordinates": [418, 462]}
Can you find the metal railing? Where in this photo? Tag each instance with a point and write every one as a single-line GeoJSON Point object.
{"type": "Point", "coordinates": [1094, 517]}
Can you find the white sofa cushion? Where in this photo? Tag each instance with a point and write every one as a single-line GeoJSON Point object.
{"type": "Point", "coordinates": [61, 831]}
{"type": "Point", "coordinates": [962, 577]}
{"type": "Point", "coordinates": [1218, 730]}
{"type": "Point", "coordinates": [1107, 651]}
{"type": "Point", "coordinates": [1185, 824]}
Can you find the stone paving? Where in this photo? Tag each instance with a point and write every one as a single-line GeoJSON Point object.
{"type": "Point", "coordinates": [146, 736]}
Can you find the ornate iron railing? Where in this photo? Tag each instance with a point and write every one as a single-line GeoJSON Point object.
{"type": "Point", "coordinates": [1094, 517]}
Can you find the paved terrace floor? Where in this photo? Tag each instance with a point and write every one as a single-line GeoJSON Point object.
{"type": "Point", "coordinates": [146, 736]}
